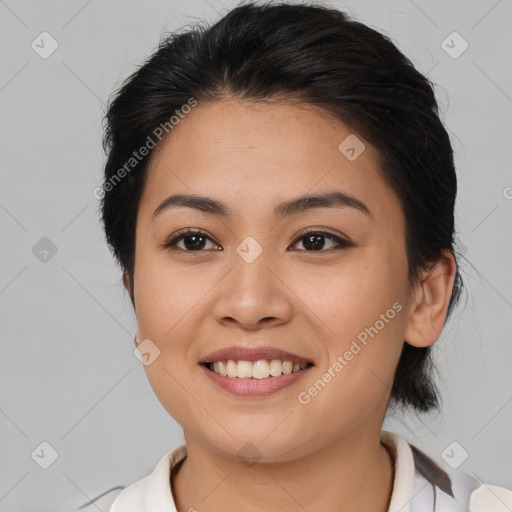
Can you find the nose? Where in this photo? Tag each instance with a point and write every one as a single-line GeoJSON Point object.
{"type": "Point", "coordinates": [254, 295]}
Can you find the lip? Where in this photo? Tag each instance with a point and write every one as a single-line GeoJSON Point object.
{"type": "Point", "coordinates": [240, 353]}
{"type": "Point", "coordinates": [250, 387]}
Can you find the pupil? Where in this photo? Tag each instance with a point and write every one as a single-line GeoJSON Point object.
{"type": "Point", "coordinates": [199, 241]}
{"type": "Point", "coordinates": [314, 242]}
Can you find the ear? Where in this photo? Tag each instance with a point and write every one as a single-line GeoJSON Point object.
{"type": "Point", "coordinates": [430, 301]}
{"type": "Point", "coordinates": [128, 285]}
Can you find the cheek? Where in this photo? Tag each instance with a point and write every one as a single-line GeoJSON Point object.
{"type": "Point", "coordinates": [168, 301]}
{"type": "Point", "coordinates": [351, 296]}
{"type": "Point", "coordinates": [359, 311]}
{"type": "Point", "coordinates": [167, 295]}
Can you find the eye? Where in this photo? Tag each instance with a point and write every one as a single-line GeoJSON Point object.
{"type": "Point", "coordinates": [194, 240]}
{"type": "Point", "coordinates": [314, 241]}
{"type": "Point", "coordinates": [197, 241]}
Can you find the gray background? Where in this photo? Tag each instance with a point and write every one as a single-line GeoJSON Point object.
{"type": "Point", "coordinates": [68, 375]}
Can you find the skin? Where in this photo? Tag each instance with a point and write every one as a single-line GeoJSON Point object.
{"type": "Point", "coordinates": [324, 455]}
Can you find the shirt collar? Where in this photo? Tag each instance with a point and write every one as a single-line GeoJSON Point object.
{"type": "Point", "coordinates": [158, 497]}
{"type": "Point", "coordinates": [403, 481]}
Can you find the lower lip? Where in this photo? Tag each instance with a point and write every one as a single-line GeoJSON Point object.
{"type": "Point", "coordinates": [251, 386]}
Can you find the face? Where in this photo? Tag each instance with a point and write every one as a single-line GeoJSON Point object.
{"type": "Point", "coordinates": [327, 282]}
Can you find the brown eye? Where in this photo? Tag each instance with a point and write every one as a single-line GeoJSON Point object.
{"type": "Point", "coordinates": [314, 241]}
{"type": "Point", "coordinates": [193, 241]}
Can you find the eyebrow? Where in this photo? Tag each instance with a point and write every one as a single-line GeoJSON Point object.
{"type": "Point", "coordinates": [300, 204]}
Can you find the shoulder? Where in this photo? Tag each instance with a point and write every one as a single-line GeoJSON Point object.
{"type": "Point", "coordinates": [102, 501]}
{"type": "Point", "coordinates": [131, 499]}
{"type": "Point", "coordinates": [457, 490]}
{"type": "Point", "coordinates": [466, 494]}
{"type": "Point", "coordinates": [471, 495]}
{"type": "Point", "coordinates": [422, 485]}
{"type": "Point", "coordinates": [153, 492]}
{"type": "Point", "coordinates": [488, 497]}
{"type": "Point", "coordinates": [127, 499]}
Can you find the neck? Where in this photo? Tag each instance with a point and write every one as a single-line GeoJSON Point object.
{"type": "Point", "coordinates": [353, 473]}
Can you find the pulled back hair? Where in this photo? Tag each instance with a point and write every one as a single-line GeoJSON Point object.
{"type": "Point", "coordinates": [311, 55]}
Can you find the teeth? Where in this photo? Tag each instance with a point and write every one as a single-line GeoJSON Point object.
{"type": "Point", "coordinates": [275, 367]}
{"type": "Point", "coordinates": [244, 369]}
{"type": "Point", "coordinates": [261, 369]}
{"type": "Point", "coordinates": [232, 368]}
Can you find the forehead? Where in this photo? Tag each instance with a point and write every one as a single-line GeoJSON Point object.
{"type": "Point", "coordinates": [246, 154]}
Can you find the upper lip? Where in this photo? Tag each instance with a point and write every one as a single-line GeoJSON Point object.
{"type": "Point", "coordinates": [239, 353]}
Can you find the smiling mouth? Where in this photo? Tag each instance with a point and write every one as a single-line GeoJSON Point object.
{"type": "Point", "coordinates": [260, 369]}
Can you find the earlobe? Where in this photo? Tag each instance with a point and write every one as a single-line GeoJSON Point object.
{"type": "Point", "coordinates": [431, 298]}
{"type": "Point", "coordinates": [127, 284]}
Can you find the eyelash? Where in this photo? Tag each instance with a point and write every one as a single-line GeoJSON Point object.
{"type": "Point", "coordinates": [342, 244]}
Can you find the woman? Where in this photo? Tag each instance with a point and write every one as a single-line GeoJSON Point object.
{"type": "Point", "coordinates": [279, 193]}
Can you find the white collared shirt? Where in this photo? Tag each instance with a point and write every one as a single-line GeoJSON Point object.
{"type": "Point", "coordinates": [412, 492]}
